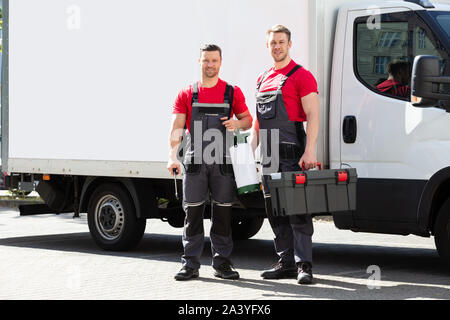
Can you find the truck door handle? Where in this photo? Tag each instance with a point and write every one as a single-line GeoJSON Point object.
{"type": "Point", "coordinates": [349, 129]}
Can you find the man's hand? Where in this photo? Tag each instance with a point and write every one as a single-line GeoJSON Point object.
{"type": "Point", "coordinates": [308, 160]}
{"type": "Point", "coordinates": [243, 122]}
{"type": "Point", "coordinates": [174, 165]}
{"type": "Point", "coordinates": [231, 124]}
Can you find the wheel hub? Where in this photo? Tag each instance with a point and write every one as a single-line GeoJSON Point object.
{"type": "Point", "coordinates": [109, 217]}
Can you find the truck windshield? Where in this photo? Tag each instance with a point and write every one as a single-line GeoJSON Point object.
{"type": "Point", "coordinates": [443, 19]}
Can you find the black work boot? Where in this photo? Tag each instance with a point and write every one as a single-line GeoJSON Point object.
{"type": "Point", "coordinates": [280, 271]}
{"type": "Point", "coordinates": [186, 273]}
{"type": "Point", "coordinates": [305, 273]}
{"type": "Point", "coordinates": [225, 271]}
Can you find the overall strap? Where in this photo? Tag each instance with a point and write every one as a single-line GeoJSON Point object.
{"type": "Point", "coordinates": [228, 97]}
{"type": "Point", "coordinates": [290, 73]}
{"type": "Point", "coordinates": [195, 93]}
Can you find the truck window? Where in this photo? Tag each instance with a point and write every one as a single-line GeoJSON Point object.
{"type": "Point", "coordinates": [444, 21]}
{"type": "Point", "coordinates": [384, 55]}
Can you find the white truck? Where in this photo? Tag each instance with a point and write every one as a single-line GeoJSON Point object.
{"type": "Point", "coordinates": [88, 88]}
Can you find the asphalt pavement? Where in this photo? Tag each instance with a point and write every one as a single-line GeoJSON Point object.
{"type": "Point", "coordinates": [53, 257]}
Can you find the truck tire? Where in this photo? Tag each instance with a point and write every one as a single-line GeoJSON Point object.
{"type": "Point", "coordinates": [112, 219]}
{"type": "Point", "coordinates": [442, 232]}
{"type": "Point", "coordinates": [243, 229]}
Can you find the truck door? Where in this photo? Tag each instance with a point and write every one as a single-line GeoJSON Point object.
{"type": "Point", "coordinates": [395, 147]}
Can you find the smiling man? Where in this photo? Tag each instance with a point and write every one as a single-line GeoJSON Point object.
{"type": "Point", "coordinates": [286, 97]}
{"type": "Point", "coordinates": [206, 108]}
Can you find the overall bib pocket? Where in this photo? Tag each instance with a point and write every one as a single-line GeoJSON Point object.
{"type": "Point", "coordinates": [266, 105]}
{"type": "Point", "coordinates": [267, 111]}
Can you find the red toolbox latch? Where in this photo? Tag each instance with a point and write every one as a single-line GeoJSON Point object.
{"type": "Point", "coordinates": [342, 176]}
{"type": "Point", "coordinates": [300, 178]}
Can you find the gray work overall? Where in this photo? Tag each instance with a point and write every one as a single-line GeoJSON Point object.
{"type": "Point", "coordinates": [282, 145]}
{"type": "Point", "coordinates": [207, 168]}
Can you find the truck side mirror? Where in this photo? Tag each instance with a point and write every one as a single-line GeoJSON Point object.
{"type": "Point", "coordinates": [428, 88]}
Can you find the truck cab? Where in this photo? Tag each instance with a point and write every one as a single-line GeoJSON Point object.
{"type": "Point", "coordinates": [401, 151]}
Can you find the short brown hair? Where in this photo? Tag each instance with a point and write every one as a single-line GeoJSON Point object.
{"type": "Point", "coordinates": [211, 47]}
{"type": "Point", "coordinates": [279, 28]}
{"type": "Point", "coordinates": [401, 71]}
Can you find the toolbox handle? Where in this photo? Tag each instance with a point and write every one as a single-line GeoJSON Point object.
{"type": "Point", "coordinates": [319, 164]}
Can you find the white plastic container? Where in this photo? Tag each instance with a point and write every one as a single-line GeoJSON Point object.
{"type": "Point", "coordinates": [244, 166]}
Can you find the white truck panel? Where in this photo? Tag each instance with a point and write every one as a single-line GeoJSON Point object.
{"type": "Point", "coordinates": [96, 80]}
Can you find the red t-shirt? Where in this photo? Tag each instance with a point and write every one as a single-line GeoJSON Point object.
{"type": "Point", "coordinates": [395, 88]}
{"type": "Point", "coordinates": [183, 102]}
{"type": "Point", "coordinates": [299, 85]}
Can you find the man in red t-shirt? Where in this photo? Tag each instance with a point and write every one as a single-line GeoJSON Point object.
{"type": "Point", "coordinates": [286, 97]}
{"type": "Point", "coordinates": [399, 78]}
{"type": "Point", "coordinates": [206, 109]}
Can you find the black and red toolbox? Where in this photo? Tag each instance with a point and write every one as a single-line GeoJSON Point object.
{"type": "Point", "coordinates": [313, 191]}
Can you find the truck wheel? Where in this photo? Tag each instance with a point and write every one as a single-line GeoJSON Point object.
{"type": "Point", "coordinates": [112, 219]}
{"type": "Point", "coordinates": [442, 232]}
{"type": "Point", "coordinates": [243, 229]}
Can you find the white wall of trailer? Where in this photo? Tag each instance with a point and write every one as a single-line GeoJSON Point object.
{"type": "Point", "coordinates": [96, 79]}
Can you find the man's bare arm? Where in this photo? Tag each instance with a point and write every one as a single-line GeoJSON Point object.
{"type": "Point", "coordinates": [254, 135]}
{"type": "Point", "coordinates": [311, 107]}
{"type": "Point", "coordinates": [175, 135]}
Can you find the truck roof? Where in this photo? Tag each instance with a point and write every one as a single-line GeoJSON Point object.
{"type": "Point", "coordinates": [441, 7]}
{"type": "Point", "coordinates": [362, 5]}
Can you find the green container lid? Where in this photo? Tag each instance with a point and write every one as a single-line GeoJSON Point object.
{"type": "Point", "coordinates": [249, 189]}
